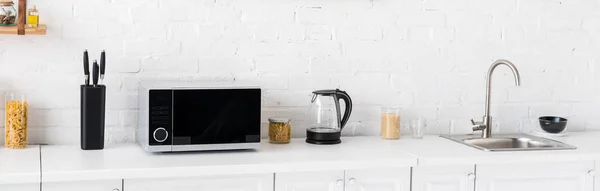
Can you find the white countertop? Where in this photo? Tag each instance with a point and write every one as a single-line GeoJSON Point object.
{"type": "Point", "coordinates": [20, 165]}
{"type": "Point", "coordinates": [436, 150]}
{"type": "Point", "coordinates": [69, 163]}
{"type": "Point", "coordinates": [127, 161]}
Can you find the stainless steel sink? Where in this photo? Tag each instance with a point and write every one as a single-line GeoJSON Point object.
{"type": "Point", "coordinates": [515, 142]}
{"type": "Point", "coordinates": [512, 142]}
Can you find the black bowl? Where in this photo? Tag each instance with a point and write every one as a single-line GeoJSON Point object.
{"type": "Point", "coordinates": [552, 124]}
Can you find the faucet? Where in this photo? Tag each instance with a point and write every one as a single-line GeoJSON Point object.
{"type": "Point", "coordinates": [485, 126]}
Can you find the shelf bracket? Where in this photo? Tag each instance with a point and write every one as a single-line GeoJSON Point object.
{"type": "Point", "coordinates": [22, 17]}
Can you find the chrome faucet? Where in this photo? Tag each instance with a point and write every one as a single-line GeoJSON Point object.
{"type": "Point", "coordinates": [486, 125]}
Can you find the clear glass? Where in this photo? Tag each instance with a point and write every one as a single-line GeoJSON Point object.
{"type": "Point", "coordinates": [33, 17]}
{"type": "Point", "coordinates": [280, 130]}
{"type": "Point", "coordinates": [16, 121]}
{"type": "Point", "coordinates": [323, 114]}
{"type": "Point", "coordinates": [8, 14]}
{"type": "Point", "coordinates": [390, 122]}
{"type": "Point", "coordinates": [418, 127]}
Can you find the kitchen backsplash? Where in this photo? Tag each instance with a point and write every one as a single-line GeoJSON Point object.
{"type": "Point", "coordinates": [427, 56]}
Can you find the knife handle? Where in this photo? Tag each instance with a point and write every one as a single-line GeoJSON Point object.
{"type": "Point", "coordinates": [86, 67]}
{"type": "Point", "coordinates": [95, 71]}
{"type": "Point", "coordinates": [102, 62]}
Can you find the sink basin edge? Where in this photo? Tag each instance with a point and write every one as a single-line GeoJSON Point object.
{"type": "Point", "coordinates": [509, 142]}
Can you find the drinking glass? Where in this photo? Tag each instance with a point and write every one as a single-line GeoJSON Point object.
{"type": "Point", "coordinates": [418, 127]}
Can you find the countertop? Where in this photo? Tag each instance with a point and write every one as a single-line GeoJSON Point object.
{"type": "Point", "coordinates": [440, 151]}
{"type": "Point", "coordinates": [20, 165]}
{"type": "Point", "coordinates": [128, 161]}
{"type": "Point", "coordinates": [69, 163]}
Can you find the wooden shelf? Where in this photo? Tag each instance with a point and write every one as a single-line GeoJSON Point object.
{"type": "Point", "coordinates": [40, 30]}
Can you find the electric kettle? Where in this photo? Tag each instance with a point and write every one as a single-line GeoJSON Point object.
{"type": "Point", "coordinates": [326, 121]}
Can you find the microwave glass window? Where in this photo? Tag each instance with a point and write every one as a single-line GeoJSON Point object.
{"type": "Point", "coordinates": [214, 116]}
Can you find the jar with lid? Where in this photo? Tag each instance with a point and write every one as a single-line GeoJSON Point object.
{"type": "Point", "coordinates": [390, 122]}
{"type": "Point", "coordinates": [33, 17]}
{"type": "Point", "coordinates": [8, 13]}
{"type": "Point", "coordinates": [16, 121]}
{"type": "Point", "coordinates": [279, 130]}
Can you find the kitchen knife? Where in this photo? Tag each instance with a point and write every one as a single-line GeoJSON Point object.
{"type": "Point", "coordinates": [86, 67]}
{"type": "Point", "coordinates": [95, 73]}
{"type": "Point", "coordinates": [102, 66]}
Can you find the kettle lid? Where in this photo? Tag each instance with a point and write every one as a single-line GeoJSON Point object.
{"type": "Point", "coordinates": [326, 92]}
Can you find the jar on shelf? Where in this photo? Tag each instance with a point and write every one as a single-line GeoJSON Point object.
{"type": "Point", "coordinates": [8, 13]}
{"type": "Point", "coordinates": [279, 130]}
{"type": "Point", "coordinates": [33, 17]}
{"type": "Point", "coordinates": [16, 121]}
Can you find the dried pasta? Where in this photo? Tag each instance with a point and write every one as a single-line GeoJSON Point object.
{"type": "Point", "coordinates": [16, 124]}
{"type": "Point", "coordinates": [279, 132]}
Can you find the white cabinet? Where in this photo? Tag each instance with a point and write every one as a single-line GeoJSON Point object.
{"type": "Point", "coordinates": [20, 187]}
{"type": "Point", "coordinates": [571, 176]}
{"type": "Point", "coordinates": [94, 185]}
{"type": "Point", "coordinates": [20, 168]}
{"type": "Point", "coordinates": [596, 178]}
{"type": "Point", "coordinates": [259, 182]}
{"type": "Point", "coordinates": [444, 178]}
{"type": "Point", "coordinates": [389, 179]}
{"type": "Point", "coordinates": [310, 181]}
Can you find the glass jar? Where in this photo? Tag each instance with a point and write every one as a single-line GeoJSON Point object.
{"type": "Point", "coordinates": [390, 122]}
{"type": "Point", "coordinates": [33, 17]}
{"type": "Point", "coordinates": [279, 130]}
{"type": "Point", "coordinates": [8, 13]}
{"type": "Point", "coordinates": [16, 121]}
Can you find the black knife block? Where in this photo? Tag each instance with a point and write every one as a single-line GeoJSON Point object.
{"type": "Point", "coordinates": [93, 100]}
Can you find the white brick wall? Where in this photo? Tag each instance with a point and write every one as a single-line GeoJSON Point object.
{"type": "Point", "coordinates": [427, 56]}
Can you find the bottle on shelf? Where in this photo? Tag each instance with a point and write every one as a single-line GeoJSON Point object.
{"type": "Point", "coordinates": [33, 17]}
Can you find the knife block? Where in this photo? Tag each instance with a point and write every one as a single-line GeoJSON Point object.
{"type": "Point", "coordinates": [93, 100]}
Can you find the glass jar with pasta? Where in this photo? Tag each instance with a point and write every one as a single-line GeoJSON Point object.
{"type": "Point", "coordinates": [16, 121]}
{"type": "Point", "coordinates": [279, 130]}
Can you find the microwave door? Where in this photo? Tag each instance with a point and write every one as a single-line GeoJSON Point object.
{"type": "Point", "coordinates": [223, 126]}
{"type": "Point", "coordinates": [216, 116]}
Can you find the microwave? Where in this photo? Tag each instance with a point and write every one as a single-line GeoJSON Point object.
{"type": "Point", "coordinates": [199, 118]}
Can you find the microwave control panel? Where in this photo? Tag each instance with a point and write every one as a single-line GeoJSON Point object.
{"type": "Point", "coordinates": [161, 117]}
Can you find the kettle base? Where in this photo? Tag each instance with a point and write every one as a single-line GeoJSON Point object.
{"type": "Point", "coordinates": [323, 138]}
{"type": "Point", "coordinates": [317, 142]}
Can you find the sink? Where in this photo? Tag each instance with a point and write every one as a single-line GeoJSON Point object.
{"type": "Point", "coordinates": [509, 142]}
{"type": "Point", "coordinates": [516, 142]}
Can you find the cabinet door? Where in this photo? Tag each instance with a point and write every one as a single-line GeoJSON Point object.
{"type": "Point", "coordinates": [310, 181]}
{"type": "Point", "coordinates": [94, 185]}
{"type": "Point", "coordinates": [20, 187]}
{"type": "Point", "coordinates": [571, 176]}
{"type": "Point", "coordinates": [388, 179]}
{"type": "Point", "coordinates": [444, 178]}
{"type": "Point", "coordinates": [596, 178]}
{"type": "Point", "coordinates": [259, 182]}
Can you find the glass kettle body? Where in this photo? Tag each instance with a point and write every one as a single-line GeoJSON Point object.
{"type": "Point", "coordinates": [326, 118]}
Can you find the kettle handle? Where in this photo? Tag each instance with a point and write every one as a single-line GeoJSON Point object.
{"type": "Point", "coordinates": [348, 110]}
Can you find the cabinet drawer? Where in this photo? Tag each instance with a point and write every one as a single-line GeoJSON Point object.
{"type": "Point", "coordinates": [444, 178]}
{"type": "Point", "coordinates": [20, 187]}
{"type": "Point", "coordinates": [258, 182]}
{"type": "Point", "coordinates": [310, 181]}
{"type": "Point", "coordinates": [557, 176]}
{"type": "Point", "coordinates": [92, 185]}
{"type": "Point", "coordinates": [392, 179]}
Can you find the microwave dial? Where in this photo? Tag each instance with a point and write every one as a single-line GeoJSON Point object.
{"type": "Point", "coordinates": [160, 135]}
